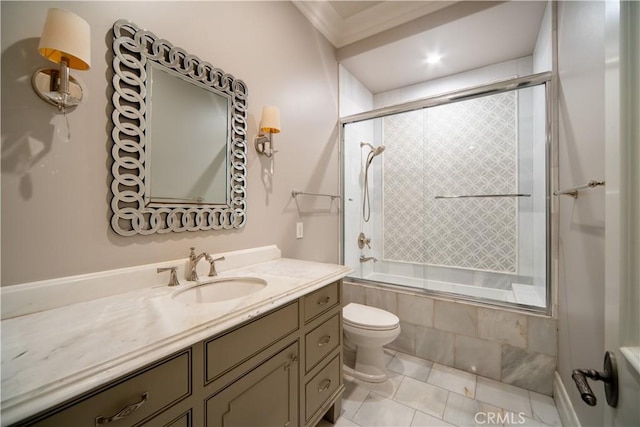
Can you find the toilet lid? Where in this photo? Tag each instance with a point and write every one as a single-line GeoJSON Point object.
{"type": "Point", "coordinates": [367, 317]}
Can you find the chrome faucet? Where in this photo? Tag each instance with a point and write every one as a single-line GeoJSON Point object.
{"type": "Point", "coordinates": [368, 258]}
{"type": "Point", "coordinates": [193, 263]}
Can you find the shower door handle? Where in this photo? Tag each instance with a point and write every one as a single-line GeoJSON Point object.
{"type": "Point", "coordinates": [479, 196]}
{"type": "Point", "coordinates": [609, 377]}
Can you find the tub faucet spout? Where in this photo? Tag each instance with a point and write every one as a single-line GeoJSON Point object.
{"type": "Point", "coordinates": [193, 263]}
{"type": "Point", "coordinates": [368, 258]}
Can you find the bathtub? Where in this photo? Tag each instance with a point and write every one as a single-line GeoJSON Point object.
{"type": "Point", "coordinates": [517, 293]}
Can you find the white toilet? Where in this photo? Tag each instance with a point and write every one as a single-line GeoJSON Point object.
{"type": "Point", "coordinates": [368, 329]}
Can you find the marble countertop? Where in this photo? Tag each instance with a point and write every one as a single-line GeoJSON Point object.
{"type": "Point", "coordinates": [53, 355]}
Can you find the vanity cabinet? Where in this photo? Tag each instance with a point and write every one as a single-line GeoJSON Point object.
{"type": "Point", "coordinates": [282, 368]}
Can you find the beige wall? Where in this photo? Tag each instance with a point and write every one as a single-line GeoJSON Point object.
{"type": "Point", "coordinates": [55, 192]}
{"type": "Point", "coordinates": [581, 71]}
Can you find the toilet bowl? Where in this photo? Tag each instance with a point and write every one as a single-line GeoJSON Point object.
{"type": "Point", "coordinates": [368, 329]}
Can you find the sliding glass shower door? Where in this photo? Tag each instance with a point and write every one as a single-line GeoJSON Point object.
{"type": "Point", "coordinates": [452, 197]}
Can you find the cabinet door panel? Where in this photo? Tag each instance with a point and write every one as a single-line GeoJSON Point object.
{"type": "Point", "coordinates": [265, 396]}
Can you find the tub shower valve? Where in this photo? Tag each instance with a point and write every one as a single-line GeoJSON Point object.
{"type": "Point", "coordinates": [609, 377]}
{"type": "Point", "coordinates": [363, 240]}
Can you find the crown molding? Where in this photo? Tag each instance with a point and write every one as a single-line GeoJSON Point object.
{"type": "Point", "coordinates": [380, 17]}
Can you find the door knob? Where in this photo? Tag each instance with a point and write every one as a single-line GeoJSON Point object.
{"type": "Point", "coordinates": [609, 376]}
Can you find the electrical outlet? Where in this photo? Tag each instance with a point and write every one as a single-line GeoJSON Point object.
{"type": "Point", "coordinates": [299, 230]}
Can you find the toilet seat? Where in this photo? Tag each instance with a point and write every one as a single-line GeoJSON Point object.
{"type": "Point", "coordinates": [369, 318]}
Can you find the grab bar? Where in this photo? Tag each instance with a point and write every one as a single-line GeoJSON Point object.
{"type": "Point", "coordinates": [481, 195]}
{"type": "Point", "coordinates": [573, 192]}
{"type": "Point", "coordinates": [296, 193]}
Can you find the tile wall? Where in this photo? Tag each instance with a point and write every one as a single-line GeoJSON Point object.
{"type": "Point", "coordinates": [461, 148]}
{"type": "Point", "coordinates": [514, 348]}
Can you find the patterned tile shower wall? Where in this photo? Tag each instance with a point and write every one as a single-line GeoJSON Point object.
{"type": "Point", "coordinates": [467, 147]}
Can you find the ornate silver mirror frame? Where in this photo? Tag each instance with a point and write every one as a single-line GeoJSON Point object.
{"type": "Point", "coordinates": [133, 48]}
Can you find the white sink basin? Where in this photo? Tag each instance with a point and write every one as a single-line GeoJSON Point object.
{"type": "Point", "coordinates": [221, 289]}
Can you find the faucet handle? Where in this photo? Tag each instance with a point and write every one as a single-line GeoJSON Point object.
{"type": "Point", "coordinates": [212, 263]}
{"type": "Point", "coordinates": [363, 240]}
{"type": "Point", "coordinates": [173, 276]}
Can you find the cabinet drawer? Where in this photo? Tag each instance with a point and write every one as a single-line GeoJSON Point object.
{"type": "Point", "coordinates": [163, 384]}
{"type": "Point", "coordinates": [320, 301]}
{"type": "Point", "coordinates": [321, 387]}
{"type": "Point", "coordinates": [321, 341]}
{"type": "Point", "coordinates": [231, 349]}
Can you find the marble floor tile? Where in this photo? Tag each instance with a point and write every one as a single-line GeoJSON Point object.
{"type": "Point", "coordinates": [512, 420]}
{"type": "Point", "coordinates": [380, 411]}
{"type": "Point", "coordinates": [505, 396]}
{"type": "Point", "coordinates": [544, 409]}
{"type": "Point", "coordinates": [421, 419]}
{"type": "Point", "coordinates": [440, 401]}
{"type": "Point", "coordinates": [388, 355]}
{"type": "Point", "coordinates": [342, 422]}
{"type": "Point", "coordinates": [453, 380]}
{"type": "Point", "coordinates": [464, 411]}
{"type": "Point", "coordinates": [352, 398]}
{"type": "Point", "coordinates": [424, 397]}
{"type": "Point", "coordinates": [410, 366]}
{"type": "Point", "coordinates": [385, 389]}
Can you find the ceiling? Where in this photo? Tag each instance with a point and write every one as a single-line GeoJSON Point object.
{"type": "Point", "coordinates": [384, 44]}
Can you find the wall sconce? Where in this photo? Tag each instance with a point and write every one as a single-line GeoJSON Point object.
{"type": "Point", "coordinates": [66, 40]}
{"type": "Point", "coordinates": [270, 122]}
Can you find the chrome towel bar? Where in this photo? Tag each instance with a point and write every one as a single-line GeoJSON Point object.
{"type": "Point", "coordinates": [469, 196]}
{"type": "Point", "coordinates": [573, 192]}
{"type": "Point", "coordinates": [296, 193]}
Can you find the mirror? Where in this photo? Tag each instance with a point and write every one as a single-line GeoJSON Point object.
{"type": "Point", "coordinates": [186, 163]}
{"type": "Point", "coordinates": [179, 153]}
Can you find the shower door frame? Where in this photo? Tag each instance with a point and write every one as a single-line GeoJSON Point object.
{"type": "Point", "coordinates": [546, 79]}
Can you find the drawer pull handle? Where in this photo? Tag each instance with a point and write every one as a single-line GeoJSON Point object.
{"type": "Point", "coordinates": [124, 412]}
{"type": "Point", "coordinates": [324, 340]}
{"type": "Point", "coordinates": [324, 300]}
{"type": "Point", "coordinates": [324, 386]}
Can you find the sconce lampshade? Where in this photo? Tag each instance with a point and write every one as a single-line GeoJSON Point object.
{"type": "Point", "coordinates": [66, 35]}
{"type": "Point", "coordinates": [270, 119]}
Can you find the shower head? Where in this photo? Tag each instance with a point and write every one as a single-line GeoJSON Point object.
{"type": "Point", "coordinates": [378, 150]}
{"type": "Point", "coordinates": [374, 150]}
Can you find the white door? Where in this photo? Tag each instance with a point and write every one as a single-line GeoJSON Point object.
{"type": "Point", "coordinates": [622, 239]}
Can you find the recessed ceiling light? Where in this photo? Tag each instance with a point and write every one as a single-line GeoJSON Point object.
{"type": "Point", "coordinates": [433, 58]}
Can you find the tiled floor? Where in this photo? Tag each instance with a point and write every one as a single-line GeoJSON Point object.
{"type": "Point", "coordinates": [421, 393]}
